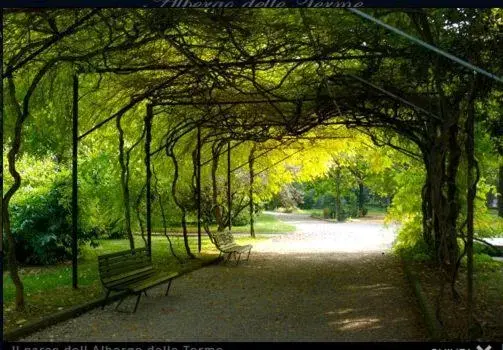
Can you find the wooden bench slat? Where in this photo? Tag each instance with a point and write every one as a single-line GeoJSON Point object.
{"type": "Point", "coordinates": [118, 259]}
{"type": "Point", "coordinates": [126, 266]}
{"type": "Point", "coordinates": [130, 270]}
{"type": "Point", "coordinates": [153, 280]}
{"type": "Point", "coordinates": [123, 253]}
{"type": "Point", "coordinates": [125, 259]}
{"type": "Point", "coordinates": [124, 285]}
{"type": "Point", "coordinates": [127, 276]}
{"type": "Point", "coordinates": [224, 242]}
{"type": "Point", "coordinates": [236, 248]}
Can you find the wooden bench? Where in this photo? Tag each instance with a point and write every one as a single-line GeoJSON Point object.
{"type": "Point", "coordinates": [130, 271]}
{"type": "Point", "coordinates": [225, 243]}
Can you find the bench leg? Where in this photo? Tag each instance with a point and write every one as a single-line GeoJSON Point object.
{"type": "Point", "coordinates": [120, 302]}
{"type": "Point", "coordinates": [167, 290]}
{"type": "Point", "coordinates": [137, 302]}
{"type": "Point", "coordinates": [239, 258]}
{"type": "Point", "coordinates": [145, 292]}
{"type": "Point", "coordinates": [123, 298]}
{"type": "Point", "coordinates": [248, 257]}
{"type": "Point", "coordinates": [105, 301]}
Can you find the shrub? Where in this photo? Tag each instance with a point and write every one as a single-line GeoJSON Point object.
{"type": "Point", "coordinates": [479, 248]}
{"type": "Point", "coordinates": [42, 229]}
{"type": "Point", "coordinates": [114, 229]}
{"type": "Point", "coordinates": [484, 262]}
{"type": "Point", "coordinates": [242, 219]}
{"type": "Point", "coordinates": [410, 244]}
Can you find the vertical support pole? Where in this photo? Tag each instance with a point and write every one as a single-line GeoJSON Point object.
{"type": "Point", "coordinates": [148, 140]}
{"type": "Point", "coordinates": [229, 200]}
{"type": "Point", "coordinates": [251, 161]}
{"type": "Point", "coordinates": [75, 144]}
{"type": "Point", "coordinates": [198, 175]}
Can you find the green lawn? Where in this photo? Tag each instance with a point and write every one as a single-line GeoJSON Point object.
{"type": "Point", "coordinates": [372, 211]}
{"type": "Point", "coordinates": [312, 212]}
{"type": "Point", "coordinates": [48, 289]}
{"type": "Point", "coordinates": [264, 223]}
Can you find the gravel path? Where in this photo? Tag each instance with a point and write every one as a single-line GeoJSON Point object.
{"type": "Point", "coordinates": [325, 282]}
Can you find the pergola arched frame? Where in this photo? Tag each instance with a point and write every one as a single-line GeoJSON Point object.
{"type": "Point", "coordinates": [329, 107]}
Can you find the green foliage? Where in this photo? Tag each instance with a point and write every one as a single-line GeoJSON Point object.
{"type": "Point", "coordinates": [406, 207]}
{"type": "Point", "coordinates": [480, 248]}
{"type": "Point", "coordinates": [242, 219]}
{"type": "Point", "coordinates": [42, 227]}
{"type": "Point", "coordinates": [410, 245]}
{"type": "Point", "coordinates": [484, 262]}
{"type": "Point", "coordinates": [112, 230]}
{"type": "Point", "coordinates": [321, 194]}
{"type": "Point", "coordinates": [100, 202]}
{"type": "Point", "coordinates": [136, 38]}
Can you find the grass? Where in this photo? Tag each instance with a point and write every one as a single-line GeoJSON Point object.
{"type": "Point", "coordinates": [372, 212]}
{"type": "Point", "coordinates": [376, 211]}
{"type": "Point", "coordinates": [312, 212]}
{"type": "Point", "coordinates": [267, 223]}
{"type": "Point", "coordinates": [264, 223]}
{"type": "Point", "coordinates": [48, 289]}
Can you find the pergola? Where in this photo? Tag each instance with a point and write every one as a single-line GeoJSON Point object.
{"type": "Point", "coordinates": [323, 113]}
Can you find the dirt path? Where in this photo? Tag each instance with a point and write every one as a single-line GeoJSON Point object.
{"type": "Point", "coordinates": [325, 282]}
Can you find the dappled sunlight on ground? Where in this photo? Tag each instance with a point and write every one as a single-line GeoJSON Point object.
{"type": "Point", "coordinates": [311, 285]}
{"type": "Point", "coordinates": [356, 324]}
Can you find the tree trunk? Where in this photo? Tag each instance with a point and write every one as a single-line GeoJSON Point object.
{"type": "Point", "coordinates": [500, 192]}
{"type": "Point", "coordinates": [125, 185]}
{"type": "Point", "coordinates": [426, 209]}
{"type": "Point", "coordinates": [470, 198]}
{"type": "Point", "coordinates": [11, 157]}
{"type": "Point", "coordinates": [442, 163]}
{"type": "Point", "coordinates": [163, 216]}
{"type": "Point", "coordinates": [361, 199]}
{"type": "Point", "coordinates": [229, 182]}
{"type": "Point", "coordinates": [251, 161]}
{"type": "Point", "coordinates": [219, 217]}
{"type": "Point", "coordinates": [11, 258]}
{"type": "Point", "coordinates": [1, 135]}
{"type": "Point", "coordinates": [338, 209]}
{"type": "Point", "coordinates": [452, 198]}
{"type": "Point", "coordinates": [182, 207]}
{"type": "Point", "coordinates": [138, 214]}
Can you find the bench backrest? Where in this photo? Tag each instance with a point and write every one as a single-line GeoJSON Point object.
{"type": "Point", "coordinates": [124, 267]}
{"type": "Point", "coordinates": [223, 238]}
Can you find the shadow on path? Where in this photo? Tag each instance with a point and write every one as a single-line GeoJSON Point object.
{"type": "Point", "coordinates": [284, 293]}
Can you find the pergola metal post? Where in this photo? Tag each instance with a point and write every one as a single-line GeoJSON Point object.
{"type": "Point", "coordinates": [198, 176]}
{"type": "Point", "coordinates": [229, 200]}
{"type": "Point", "coordinates": [148, 140]}
{"type": "Point", "coordinates": [75, 143]}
